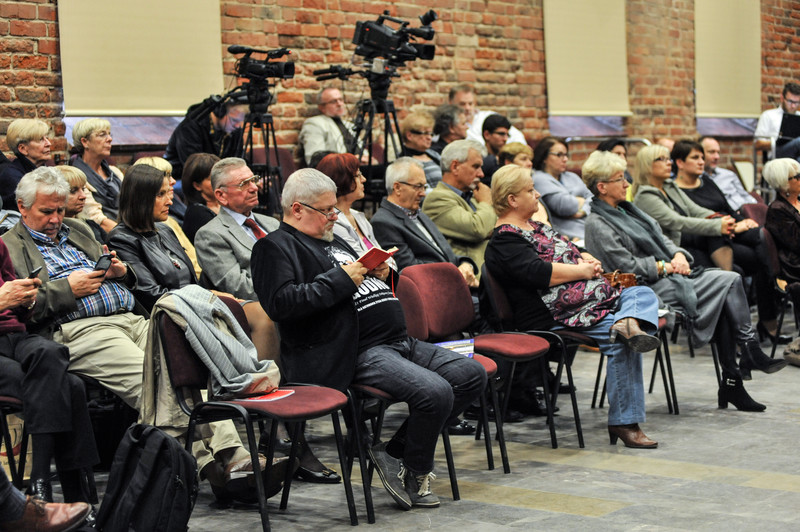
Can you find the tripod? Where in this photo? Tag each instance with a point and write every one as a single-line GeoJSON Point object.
{"type": "Point", "coordinates": [366, 110]}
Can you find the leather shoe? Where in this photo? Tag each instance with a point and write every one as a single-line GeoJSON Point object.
{"type": "Point", "coordinates": [462, 428]}
{"type": "Point", "coordinates": [631, 435]}
{"type": "Point", "coordinates": [326, 476]}
{"type": "Point", "coordinates": [47, 517]}
{"type": "Point", "coordinates": [41, 489]}
{"type": "Point", "coordinates": [628, 332]}
{"type": "Point", "coordinates": [529, 401]}
{"type": "Point", "coordinates": [512, 416]}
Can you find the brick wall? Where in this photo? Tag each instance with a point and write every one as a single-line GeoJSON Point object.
{"type": "Point", "coordinates": [497, 45]}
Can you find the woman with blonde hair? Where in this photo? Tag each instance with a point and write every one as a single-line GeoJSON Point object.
{"type": "Point", "coordinates": [92, 140]}
{"type": "Point", "coordinates": [29, 139]}
{"type": "Point", "coordinates": [416, 131]}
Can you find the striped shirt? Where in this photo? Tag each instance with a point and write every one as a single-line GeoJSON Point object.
{"type": "Point", "coordinates": [62, 259]}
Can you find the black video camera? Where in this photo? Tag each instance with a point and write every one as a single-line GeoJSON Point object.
{"type": "Point", "coordinates": [374, 39]}
{"type": "Point", "coordinates": [261, 69]}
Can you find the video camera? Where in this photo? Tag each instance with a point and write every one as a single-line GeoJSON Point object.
{"type": "Point", "coordinates": [261, 69]}
{"type": "Point", "coordinates": [374, 39]}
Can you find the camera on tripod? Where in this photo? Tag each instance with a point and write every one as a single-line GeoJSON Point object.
{"type": "Point", "coordinates": [261, 69]}
{"type": "Point", "coordinates": [375, 39]}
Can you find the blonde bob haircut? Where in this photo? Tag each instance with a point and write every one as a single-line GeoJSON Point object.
{"type": "Point", "coordinates": [418, 120]}
{"type": "Point", "coordinates": [158, 163]}
{"type": "Point", "coordinates": [510, 151]}
{"type": "Point", "coordinates": [24, 130]}
{"type": "Point", "coordinates": [644, 165]}
{"type": "Point", "coordinates": [73, 175]}
{"type": "Point", "coordinates": [600, 167]}
{"type": "Point", "coordinates": [85, 128]}
{"type": "Point", "coordinates": [778, 171]}
{"type": "Point", "coordinates": [507, 180]}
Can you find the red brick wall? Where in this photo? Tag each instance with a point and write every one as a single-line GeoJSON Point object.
{"type": "Point", "coordinates": [498, 46]}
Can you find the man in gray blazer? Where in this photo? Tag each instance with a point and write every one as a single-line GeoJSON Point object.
{"type": "Point", "coordinates": [400, 222]}
{"type": "Point", "coordinates": [327, 131]}
{"type": "Point", "coordinates": [224, 244]}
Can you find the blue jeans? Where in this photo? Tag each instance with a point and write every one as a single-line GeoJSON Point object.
{"type": "Point", "coordinates": [790, 149]}
{"type": "Point", "coordinates": [436, 384]}
{"type": "Point", "coordinates": [12, 502]}
{"type": "Point", "coordinates": [624, 368]}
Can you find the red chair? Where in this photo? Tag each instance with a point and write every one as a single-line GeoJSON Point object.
{"type": "Point", "coordinates": [189, 376]}
{"type": "Point", "coordinates": [285, 161]}
{"type": "Point", "coordinates": [449, 309]}
{"type": "Point", "coordinates": [756, 211]}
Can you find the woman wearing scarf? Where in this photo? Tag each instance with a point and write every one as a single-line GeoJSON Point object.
{"type": "Point", "coordinates": [624, 238]}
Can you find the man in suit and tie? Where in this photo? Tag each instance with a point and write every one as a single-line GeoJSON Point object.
{"type": "Point", "coordinates": [460, 205]}
{"type": "Point", "coordinates": [399, 222]}
{"type": "Point", "coordinates": [224, 244]}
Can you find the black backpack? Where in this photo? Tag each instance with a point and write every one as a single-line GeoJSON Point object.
{"type": "Point", "coordinates": [152, 485]}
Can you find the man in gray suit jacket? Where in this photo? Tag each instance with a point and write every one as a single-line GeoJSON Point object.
{"type": "Point", "coordinates": [327, 131]}
{"type": "Point", "coordinates": [399, 222]}
{"type": "Point", "coordinates": [224, 244]}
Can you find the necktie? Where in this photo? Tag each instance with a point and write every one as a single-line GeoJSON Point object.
{"type": "Point", "coordinates": [257, 231]}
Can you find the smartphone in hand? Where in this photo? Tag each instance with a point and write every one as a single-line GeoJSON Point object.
{"type": "Point", "coordinates": [103, 263]}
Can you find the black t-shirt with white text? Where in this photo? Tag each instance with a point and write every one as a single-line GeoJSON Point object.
{"type": "Point", "coordinates": [380, 315]}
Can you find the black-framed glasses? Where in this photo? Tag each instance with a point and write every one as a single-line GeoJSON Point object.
{"type": "Point", "coordinates": [795, 177]}
{"type": "Point", "coordinates": [244, 184]}
{"type": "Point", "coordinates": [417, 188]}
{"type": "Point", "coordinates": [418, 132]}
{"type": "Point", "coordinates": [330, 215]}
{"type": "Point", "coordinates": [662, 159]}
{"type": "Point", "coordinates": [791, 102]}
{"type": "Point", "coordinates": [560, 155]}
{"type": "Point", "coordinates": [614, 180]}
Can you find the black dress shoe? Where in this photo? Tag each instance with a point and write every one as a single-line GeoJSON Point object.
{"type": "Point", "coordinates": [763, 334]}
{"type": "Point", "coordinates": [512, 416]}
{"type": "Point", "coordinates": [41, 489]}
{"type": "Point", "coordinates": [530, 401]}
{"type": "Point", "coordinates": [326, 476]}
{"type": "Point", "coordinates": [462, 428]}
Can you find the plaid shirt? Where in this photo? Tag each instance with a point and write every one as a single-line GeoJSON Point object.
{"type": "Point", "coordinates": [62, 259]}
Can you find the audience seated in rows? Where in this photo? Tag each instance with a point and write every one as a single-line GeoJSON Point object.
{"type": "Point", "coordinates": [624, 238]}
{"type": "Point", "coordinates": [464, 96]}
{"type": "Point", "coordinates": [727, 181]}
{"type": "Point", "coordinates": [340, 323]}
{"type": "Point", "coordinates": [327, 131]}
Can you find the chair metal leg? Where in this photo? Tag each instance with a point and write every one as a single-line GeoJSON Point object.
{"type": "Point", "coordinates": [574, 398]}
{"type": "Point", "coordinates": [782, 303]}
{"type": "Point", "coordinates": [252, 442]}
{"type": "Point", "coordinates": [548, 401]}
{"type": "Point", "coordinates": [484, 425]}
{"type": "Point", "coordinates": [715, 356]}
{"type": "Point", "coordinates": [348, 487]}
{"type": "Point", "coordinates": [357, 445]}
{"type": "Point", "coordinates": [498, 422]}
{"type": "Point", "coordinates": [670, 375]}
{"type": "Point", "coordinates": [16, 474]}
{"type": "Point", "coordinates": [597, 382]}
{"type": "Point", "coordinates": [295, 433]}
{"type": "Point", "coordinates": [451, 467]}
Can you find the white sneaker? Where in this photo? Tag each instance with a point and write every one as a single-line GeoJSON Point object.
{"type": "Point", "coordinates": [418, 488]}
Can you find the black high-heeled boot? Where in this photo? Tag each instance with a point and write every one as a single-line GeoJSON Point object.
{"type": "Point", "coordinates": [754, 358]}
{"type": "Point", "coordinates": [732, 391]}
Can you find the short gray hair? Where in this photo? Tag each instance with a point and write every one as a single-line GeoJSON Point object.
{"type": "Point", "coordinates": [399, 170]}
{"type": "Point", "coordinates": [44, 180]}
{"type": "Point", "coordinates": [458, 150]}
{"type": "Point", "coordinates": [220, 170]}
{"type": "Point", "coordinates": [305, 186]}
{"type": "Point", "coordinates": [599, 167]}
{"type": "Point", "coordinates": [778, 171]}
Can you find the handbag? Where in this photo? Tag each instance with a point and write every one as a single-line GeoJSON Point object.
{"type": "Point", "coordinates": [620, 280]}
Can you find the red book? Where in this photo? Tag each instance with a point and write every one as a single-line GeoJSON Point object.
{"type": "Point", "coordinates": [375, 257]}
{"type": "Point", "coordinates": [274, 395]}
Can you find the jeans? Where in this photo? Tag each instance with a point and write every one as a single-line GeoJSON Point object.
{"type": "Point", "coordinates": [436, 384]}
{"type": "Point", "coordinates": [624, 381]}
{"type": "Point", "coordinates": [790, 149]}
{"type": "Point", "coordinates": [12, 502]}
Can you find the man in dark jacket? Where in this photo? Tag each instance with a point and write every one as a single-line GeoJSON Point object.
{"type": "Point", "coordinates": [340, 323]}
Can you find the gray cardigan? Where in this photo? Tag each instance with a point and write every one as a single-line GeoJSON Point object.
{"type": "Point", "coordinates": [653, 202]}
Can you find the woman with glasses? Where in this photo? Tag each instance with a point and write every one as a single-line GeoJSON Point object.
{"type": "Point", "coordinates": [564, 194]}
{"type": "Point", "coordinates": [92, 140]}
{"type": "Point", "coordinates": [624, 238]}
{"type": "Point", "coordinates": [351, 225]}
{"type": "Point", "coordinates": [688, 225]}
{"type": "Point", "coordinates": [417, 133]}
{"type": "Point", "coordinates": [29, 139]}
{"type": "Point", "coordinates": [783, 216]}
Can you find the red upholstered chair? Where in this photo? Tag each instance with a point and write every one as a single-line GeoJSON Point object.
{"type": "Point", "coordinates": [189, 376]}
{"type": "Point", "coordinates": [417, 320]}
{"type": "Point", "coordinates": [756, 211]}
{"type": "Point", "coordinates": [285, 161]}
{"type": "Point", "coordinates": [12, 405]}
{"type": "Point", "coordinates": [449, 310]}
{"type": "Point", "coordinates": [560, 341]}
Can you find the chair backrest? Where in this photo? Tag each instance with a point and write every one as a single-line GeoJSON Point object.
{"type": "Point", "coordinates": [771, 250]}
{"type": "Point", "coordinates": [498, 301]}
{"type": "Point", "coordinates": [756, 211]}
{"type": "Point", "coordinates": [413, 308]}
{"type": "Point", "coordinates": [184, 367]}
{"type": "Point", "coordinates": [746, 172]}
{"type": "Point", "coordinates": [445, 298]}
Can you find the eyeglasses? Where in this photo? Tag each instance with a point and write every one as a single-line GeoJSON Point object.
{"type": "Point", "coordinates": [102, 134]}
{"type": "Point", "coordinates": [791, 102]}
{"type": "Point", "coordinates": [417, 132]}
{"type": "Point", "coordinates": [614, 180]}
{"type": "Point", "coordinates": [335, 100]}
{"type": "Point", "coordinates": [330, 215]}
{"type": "Point", "coordinates": [662, 159]}
{"type": "Point", "coordinates": [417, 188]}
{"type": "Point", "coordinates": [560, 155]}
{"type": "Point", "coordinates": [244, 184]}
{"type": "Point", "coordinates": [795, 177]}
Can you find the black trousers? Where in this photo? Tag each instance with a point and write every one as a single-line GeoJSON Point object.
{"type": "Point", "coordinates": [34, 370]}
